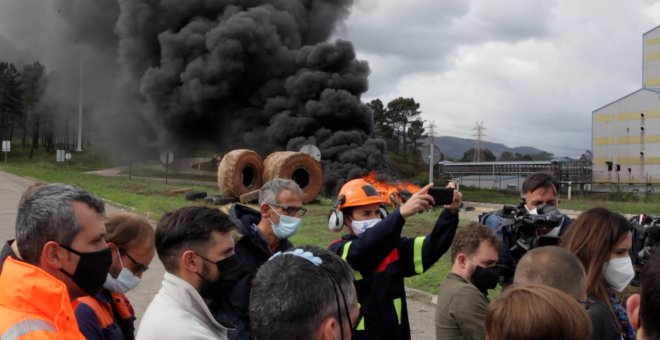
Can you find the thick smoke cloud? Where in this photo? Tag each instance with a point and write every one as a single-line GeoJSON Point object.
{"type": "Point", "coordinates": [256, 74]}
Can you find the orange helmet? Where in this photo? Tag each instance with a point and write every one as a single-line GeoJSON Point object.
{"type": "Point", "coordinates": [358, 192]}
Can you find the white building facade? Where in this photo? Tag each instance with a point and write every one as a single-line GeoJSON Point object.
{"type": "Point", "coordinates": [626, 133]}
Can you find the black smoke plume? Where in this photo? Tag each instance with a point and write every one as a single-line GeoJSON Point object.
{"type": "Point", "coordinates": [256, 74]}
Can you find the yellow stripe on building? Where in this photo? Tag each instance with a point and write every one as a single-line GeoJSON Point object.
{"type": "Point", "coordinates": [602, 141]}
{"type": "Point", "coordinates": [625, 161]}
{"type": "Point", "coordinates": [625, 116]}
{"type": "Point", "coordinates": [652, 82]}
{"type": "Point", "coordinates": [627, 140]}
{"type": "Point", "coordinates": [652, 56]}
{"type": "Point", "coordinates": [603, 118]}
{"type": "Point", "coordinates": [650, 42]}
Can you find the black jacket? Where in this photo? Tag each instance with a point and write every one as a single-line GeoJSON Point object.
{"type": "Point", "coordinates": [252, 250]}
{"type": "Point", "coordinates": [6, 252]}
{"type": "Point", "coordinates": [603, 322]}
{"type": "Point", "coordinates": [381, 258]}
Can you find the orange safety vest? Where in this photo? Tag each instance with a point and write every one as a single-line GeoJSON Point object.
{"type": "Point", "coordinates": [104, 310]}
{"type": "Point", "coordinates": [34, 304]}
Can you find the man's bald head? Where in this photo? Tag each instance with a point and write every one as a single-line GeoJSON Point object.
{"type": "Point", "coordinates": [555, 267]}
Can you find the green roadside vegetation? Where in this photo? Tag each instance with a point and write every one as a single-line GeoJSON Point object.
{"type": "Point", "coordinates": [153, 198]}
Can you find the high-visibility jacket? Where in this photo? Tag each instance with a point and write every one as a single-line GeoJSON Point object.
{"type": "Point", "coordinates": [380, 259]}
{"type": "Point", "coordinates": [106, 315]}
{"type": "Point", "coordinates": [34, 304]}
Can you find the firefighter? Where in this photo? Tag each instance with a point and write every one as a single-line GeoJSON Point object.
{"type": "Point", "coordinates": [381, 258]}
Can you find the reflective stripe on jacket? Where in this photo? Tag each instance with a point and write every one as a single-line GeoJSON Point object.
{"type": "Point", "coordinates": [381, 258]}
{"type": "Point", "coordinates": [34, 304]}
{"type": "Point", "coordinates": [107, 315]}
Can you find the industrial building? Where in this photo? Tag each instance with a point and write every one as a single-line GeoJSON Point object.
{"type": "Point", "coordinates": [626, 133]}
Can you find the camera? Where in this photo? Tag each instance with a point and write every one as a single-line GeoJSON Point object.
{"type": "Point", "coordinates": [523, 231]}
{"type": "Point", "coordinates": [646, 236]}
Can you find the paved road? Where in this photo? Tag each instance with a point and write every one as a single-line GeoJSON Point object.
{"type": "Point", "coordinates": [11, 187]}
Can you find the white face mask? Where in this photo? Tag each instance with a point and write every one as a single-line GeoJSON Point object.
{"type": "Point", "coordinates": [619, 272]}
{"type": "Point", "coordinates": [360, 226]}
{"type": "Point", "coordinates": [124, 282]}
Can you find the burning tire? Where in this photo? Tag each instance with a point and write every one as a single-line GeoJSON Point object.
{"type": "Point", "coordinates": [296, 166]}
{"type": "Point", "coordinates": [240, 171]}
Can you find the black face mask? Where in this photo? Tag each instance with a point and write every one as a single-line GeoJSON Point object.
{"type": "Point", "coordinates": [92, 269]}
{"type": "Point", "coordinates": [231, 270]}
{"type": "Point", "coordinates": [485, 278]}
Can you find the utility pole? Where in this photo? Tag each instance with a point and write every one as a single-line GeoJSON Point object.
{"type": "Point", "coordinates": [431, 149]}
{"type": "Point", "coordinates": [479, 134]}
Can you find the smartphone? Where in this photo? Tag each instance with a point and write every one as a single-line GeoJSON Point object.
{"type": "Point", "coordinates": [442, 196]}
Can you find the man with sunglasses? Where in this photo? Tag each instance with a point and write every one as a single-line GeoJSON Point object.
{"type": "Point", "coordinates": [64, 256]}
{"type": "Point", "coordinates": [264, 232]}
{"type": "Point", "coordinates": [196, 246]}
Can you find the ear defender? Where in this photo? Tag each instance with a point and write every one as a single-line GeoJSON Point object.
{"type": "Point", "coordinates": [336, 217]}
{"type": "Point", "coordinates": [383, 212]}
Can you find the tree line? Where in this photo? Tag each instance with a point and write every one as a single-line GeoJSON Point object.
{"type": "Point", "coordinates": [399, 123]}
{"type": "Point", "coordinates": [25, 117]}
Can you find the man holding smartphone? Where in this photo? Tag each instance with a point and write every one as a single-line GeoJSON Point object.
{"type": "Point", "coordinates": [381, 258]}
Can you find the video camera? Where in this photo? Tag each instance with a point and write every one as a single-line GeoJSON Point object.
{"type": "Point", "coordinates": [523, 227]}
{"type": "Point", "coordinates": [523, 231]}
{"type": "Point", "coordinates": [646, 236]}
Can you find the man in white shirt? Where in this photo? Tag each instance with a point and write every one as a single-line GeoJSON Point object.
{"type": "Point", "coordinates": [196, 247]}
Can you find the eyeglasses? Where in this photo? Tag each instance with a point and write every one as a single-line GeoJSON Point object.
{"type": "Point", "coordinates": [139, 267]}
{"type": "Point", "coordinates": [291, 211]}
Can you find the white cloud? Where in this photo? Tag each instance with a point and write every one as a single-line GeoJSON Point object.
{"type": "Point", "coordinates": [532, 71]}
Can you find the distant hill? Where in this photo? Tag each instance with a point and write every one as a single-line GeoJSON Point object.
{"type": "Point", "coordinates": [455, 147]}
{"type": "Point", "coordinates": [10, 53]}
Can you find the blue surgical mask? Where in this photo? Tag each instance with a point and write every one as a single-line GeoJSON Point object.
{"type": "Point", "coordinates": [124, 282]}
{"type": "Point", "coordinates": [287, 227]}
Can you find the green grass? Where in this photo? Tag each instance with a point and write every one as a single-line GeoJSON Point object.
{"type": "Point", "coordinates": [152, 199]}
{"type": "Point", "coordinates": [161, 174]}
{"type": "Point", "coordinates": [146, 197]}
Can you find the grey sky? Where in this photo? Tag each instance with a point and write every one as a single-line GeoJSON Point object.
{"type": "Point", "coordinates": [532, 71]}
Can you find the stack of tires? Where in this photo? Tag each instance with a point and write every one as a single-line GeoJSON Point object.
{"type": "Point", "coordinates": [242, 172]}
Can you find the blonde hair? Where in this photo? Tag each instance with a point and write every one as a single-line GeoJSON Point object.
{"type": "Point", "coordinates": [537, 312]}
{"type": "Point", "coordinates": [128, 230]}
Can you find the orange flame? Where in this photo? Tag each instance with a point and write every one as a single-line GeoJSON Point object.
{"type": "Point", "coordinates": [390, 191]}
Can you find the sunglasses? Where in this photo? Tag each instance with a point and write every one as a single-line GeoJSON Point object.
{"type": "Point", "coordinates": [139, 267]}
{"type": "Point", "coordinates": [291, 211]}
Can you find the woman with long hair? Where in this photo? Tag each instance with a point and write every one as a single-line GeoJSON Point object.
{"type": "Point", "coordinates": [602, 240]}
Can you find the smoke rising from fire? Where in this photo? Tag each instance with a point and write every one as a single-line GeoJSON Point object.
{"type": "Point", "coordinates": [250, 73]}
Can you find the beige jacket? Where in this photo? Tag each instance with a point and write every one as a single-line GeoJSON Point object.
{"type": "Point", "coordinates": [179, 312]}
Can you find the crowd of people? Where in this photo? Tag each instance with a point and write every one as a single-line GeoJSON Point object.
{"type": "Point", "coordinates": [237, 275]}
